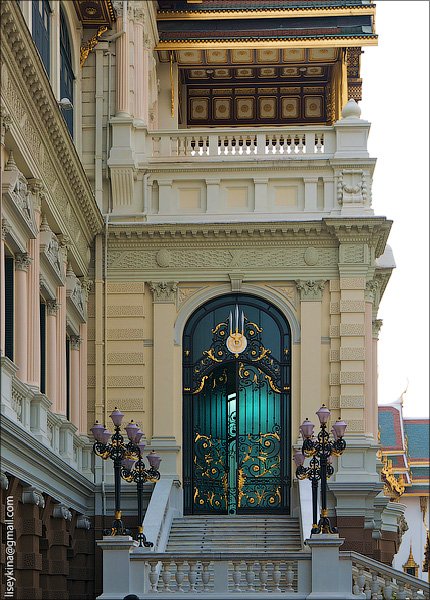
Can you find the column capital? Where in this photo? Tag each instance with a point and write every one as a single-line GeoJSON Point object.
{"type": "Point", "coordinates": [376, 327]}
{"type": "Point", "coordinates": [52, 307]}
{"type": "Point", "coordinates": [164, 291]}
{"type": "Point", "coordinates": [83, 522]}
{"type": "Point", "coordinates": [75, 342]}
{"type": "Point", "coordinates": [22, 261]}
{"type": "Point", "coordinates": [61, 512]}
{"type": "Point", "coordinates": [31, 495]}
{"type": "Point", "coordinates": [4, 481]}
{"type": "Point", "coordinates": [372, 287]}
{"type": "Point", "coordinates": [310, 290]}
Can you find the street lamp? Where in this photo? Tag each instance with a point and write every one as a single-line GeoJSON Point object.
{"type": "Point", "coordinates": [320, 450]}
{"type": "Point", "coordinates": [134, 470]}
{"type": "Point", "coordinates": [108, 445]}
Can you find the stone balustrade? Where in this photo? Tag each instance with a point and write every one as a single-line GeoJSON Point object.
{"type": "Point", "coordinates": [30, 409]}
{"type": "Point", "coordinates": [373, 580]}
{"type": "Point", "coordinates": [248, 144]}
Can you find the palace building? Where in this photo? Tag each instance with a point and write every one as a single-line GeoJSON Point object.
{"type": "Point", "coordinates": [188, 235]}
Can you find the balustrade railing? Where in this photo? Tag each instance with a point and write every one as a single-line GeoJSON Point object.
{"type": "Point", "coordinates": [247, 144]}
{"type": "Point", "coordinates": [227, 573]}
{"type": "Point", "coordinates": [378, 581]}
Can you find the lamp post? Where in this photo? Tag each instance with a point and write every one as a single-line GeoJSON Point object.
{"type": "Point", "coordinates": [108, 445]}
{"type": "Point", "coordinates": [320, 450]}
{"type": "Point", "coordinates": [134, 470]}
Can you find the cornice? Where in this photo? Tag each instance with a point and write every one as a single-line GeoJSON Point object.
{"type": "Point", "coordinates": [335, 41]}
{"type": "Point", "coordinates": [371, 230]}
{"type": "Point", "coordinates": [20, 53]}
{"type": "Point", "coordinates": [261, 13]}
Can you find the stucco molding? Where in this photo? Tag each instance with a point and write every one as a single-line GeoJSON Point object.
{"type": "Point", "coordinates": [310, 290]}
{"type": "Point", "coordinates": [164, 292]}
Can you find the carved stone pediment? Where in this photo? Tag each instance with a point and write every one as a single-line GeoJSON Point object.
{"type": "Point", "coordinates": [51, 254]}
{"type": "Point", "coordinates": [18, 200]}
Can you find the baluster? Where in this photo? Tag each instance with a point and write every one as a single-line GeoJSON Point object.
{"type": "Point", "coordinates": [282, 149]}
{"type": "Point", "coordinates": [301, 146]}
{"type": "Point", "coordinates": [229, 148]}
{"type": "Point", "coordinates": [250, 576]}
{"type": "Point", "coordinates": [288, 144]}
{"type": "Point", "coordinates": [174, 146]}
{"type": "Point", "coordinates": [361, 579]}
{"type": "Point", "coordinates": [205, 576]}
{"type": "Point", "coordinates": [166, 576]}
{"type": "Point", "coordinates": [277, 576]}
{"type": "Point", "coordinates": [367, 591]}
{"type": "Point", "coordinates": [401, 592]}
{"type": "Point", "coordinates": [237, 576]}
{"type": "Point", "coordinates": [263, 576]}
{"type": "Point", "coordinates": [179, 577]}
{"type": "Point", "coordinates": [153, 575]}
{"type": "Point", "coordinates": [275, 144]}
{"type": "Point", "coordinates": [156, 146]}
{"type": "Point", "coordinates": [375, 586]}
{"type": "Point", "coordinates": [181, 144]}
{"type": "Point", "coordinates": [387, 588]}
{"type": "Point", "coordinates": [192, 575]}
{"type": "Point", "coordinates": [192, 146]}
{"type": "Point", "coordinates": [320, 141]}
{"type": "Point", "coordinates": [355, 588]}
{"type": "Point", "coordinates": [290, 577]}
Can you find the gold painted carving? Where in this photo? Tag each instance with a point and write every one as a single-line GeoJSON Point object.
{"type": "Point", "coordinates": [91, 44]}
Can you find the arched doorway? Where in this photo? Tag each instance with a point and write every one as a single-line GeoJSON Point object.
{"type": "Point", "coordinates": [236, 408]}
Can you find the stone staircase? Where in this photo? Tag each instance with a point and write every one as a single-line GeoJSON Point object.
{"type": "Point", "coordinates": [262, 534]}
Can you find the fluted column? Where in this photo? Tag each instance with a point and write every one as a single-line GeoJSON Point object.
{"type": "Point", "coordinates": [33, 294]}
{"type": "Point", "coordinates": [51, 353]}
{"type": "Point", "coordinates": [4, 232]}
{"type": "Point", "coordinates": [61, 343]}
{"type": "Point", "coordinates": [75, 345]}
{"type": "Point", "coordinates": [122, 72]}
{"type": "Point", "coordinates": [22, 263]}
{"type": "Point", "coordinates": [83, 418]}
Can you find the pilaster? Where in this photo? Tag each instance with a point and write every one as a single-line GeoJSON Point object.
{"type": "Point", "coordinates": [51, 353]}
{"type": "Point", "coordinates": [311, 293]}
{"type": "Point", "coordinates": [4, 231]}
{"type": "Point", "coordinates": [35, 187]}
{"type": "Point", "coordinates": [164, 314]}
{"type": "Point", "coordinates": [61, 339]}
{"type": "Point", "coordinates": [75, 404]}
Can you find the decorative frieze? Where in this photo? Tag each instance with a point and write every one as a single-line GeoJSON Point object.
{"type": "Point", "coordinates": [352, 377]}
{"type": "Point", "coordinates": [351, 402]}
{"type": "Point", "coordinates": [355, 425]}
{"type": "Point", "coordinates": [125, 311]}
{"type": "Point", "coordinates": [351, 329]}
{"type": "Point", "coordinates": [131, 287]}
{"type": "Point", "coordinates": [352, 306]}
{"type": "Point", "coordinates": [352, 353]}
{"type": "Point", "coordinates": [311, 290]}
{"type": "Point", "coordinates": [125, 381]}
{"type": "Point", "coordinates": [123, 334]}
{"type": "Point", "coordinates": [125, 358]}
{"type": "Point", "coordinates": [164, 291]}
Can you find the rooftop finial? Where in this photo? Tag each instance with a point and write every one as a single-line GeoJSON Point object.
{"type": "Point", "coordinates": [351, 110]}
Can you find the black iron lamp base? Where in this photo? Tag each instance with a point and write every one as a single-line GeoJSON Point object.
{"type": "Point", "coordinates": [324, 526]}
{"type": "Point", "coordinates": [117, 529]}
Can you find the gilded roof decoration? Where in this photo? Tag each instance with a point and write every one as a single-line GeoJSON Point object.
{"type": "Point", "coordinates": [95, 13]}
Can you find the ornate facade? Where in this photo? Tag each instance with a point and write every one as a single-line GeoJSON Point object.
{"type": "Point", "coordinates": [158, 158]}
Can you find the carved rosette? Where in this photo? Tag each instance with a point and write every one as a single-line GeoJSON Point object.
{"type": "Point", "coordinates": [311, 290]}
{"type": "Point", "coordinates": [22, 261]}
{"type": "Point", "coordinates": [164, 292]}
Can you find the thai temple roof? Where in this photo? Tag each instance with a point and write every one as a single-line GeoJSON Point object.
{"type": "Point", "coordinates": [404, 451]}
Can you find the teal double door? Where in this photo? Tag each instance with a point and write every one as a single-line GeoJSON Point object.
{"type": "Point", "coordinates": [236, 443]}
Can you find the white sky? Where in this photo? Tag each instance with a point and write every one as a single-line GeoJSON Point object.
{"type": "Point", "coordinates": [396, 101]}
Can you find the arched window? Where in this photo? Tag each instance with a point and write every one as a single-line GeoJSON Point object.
{"type": "Point", "coordinates": [66, 71]}
{"type": "Point", "coordinates": [41, 30]}
{"type": "Point", "coordinates": [236, 408]}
